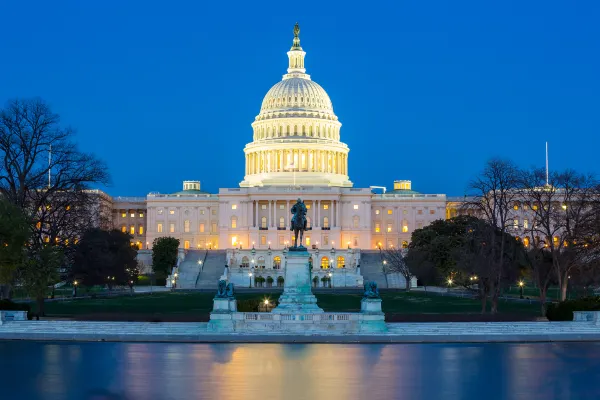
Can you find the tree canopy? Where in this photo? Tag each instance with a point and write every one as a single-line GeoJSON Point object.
{"type": "Point", "coordinates": [164, 255]}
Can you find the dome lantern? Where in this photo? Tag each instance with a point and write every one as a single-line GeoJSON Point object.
{"type": "Point", "coordinates": [296, 58]}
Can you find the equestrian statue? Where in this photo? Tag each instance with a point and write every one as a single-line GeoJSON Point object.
{"type": "Point", "coordinates": [298, 223]}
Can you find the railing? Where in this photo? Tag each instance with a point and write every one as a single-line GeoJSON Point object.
{"type": "Point", "coordinates": [201, 268]}
{"type": "Point", "coordinates": [131, 199]}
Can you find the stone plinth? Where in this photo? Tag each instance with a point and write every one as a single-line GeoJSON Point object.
{"type": "Point", "coordinates": [6, 316]}
{"type": "Point", "coordinates": [587, 316]}
{"type": "Point", "coordinates": [221, 317]}
{"type": "Point", "coordinates": [224, 305]}
{"type": "Point", "coordinates": [297, 295]}
{"type": "Point", "coordinates": [372, 318]}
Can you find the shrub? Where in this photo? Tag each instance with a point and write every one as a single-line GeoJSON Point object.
{"type": "Point", "coordinates": [563, 311]}
{"type": "Point", "coordinates": [249, 305]}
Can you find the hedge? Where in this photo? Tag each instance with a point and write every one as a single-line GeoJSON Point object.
{"type": "Point", "coordinates": [563, 311]}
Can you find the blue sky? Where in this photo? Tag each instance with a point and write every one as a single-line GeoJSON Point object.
{"type": "Point", "coordinates": [425, 90]}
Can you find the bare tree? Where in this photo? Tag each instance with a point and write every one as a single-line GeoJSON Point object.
{"type": "Point", "coordinates": [43, 173]}
{"type": "Point", "coordinates": [492, 195]}
{"type": "Point", "coordinates": [564, 212]}
{"type": "Point", "coordinates": [393, 262]}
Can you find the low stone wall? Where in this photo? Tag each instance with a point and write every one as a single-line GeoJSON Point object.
{"type": "Point", "coordinates": [297, 322]}
{"type": "Point", "coordinates": [6, 316]}
{"type": "Point", "coordinates": [587, 316]}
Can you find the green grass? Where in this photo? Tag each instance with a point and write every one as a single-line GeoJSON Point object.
{"type": "Point", "coordinates": [189, 303]}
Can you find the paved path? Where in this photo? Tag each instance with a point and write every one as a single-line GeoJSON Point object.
{"type": "Point", "coordinates": [398, 332]}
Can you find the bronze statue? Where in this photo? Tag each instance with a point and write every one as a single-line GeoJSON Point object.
{"type": "Point", "coordinates": [296, 30]}
{"type": "Point", "coordinates": [371, 291]}
{"type": "Point", "coordinates": [225, 290]}
{"type": "Point", "coordinates": [298, 222]}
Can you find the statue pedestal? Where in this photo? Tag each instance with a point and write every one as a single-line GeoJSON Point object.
{"type": "Point", "coordinates": [372, 318]}
{"type": "Point", "coordinates": [221, 317]}
{"type": "Point", "coordinates": [297, 294]}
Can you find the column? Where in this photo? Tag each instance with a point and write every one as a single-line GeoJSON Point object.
{"type": "Point", "coordinates": [337, 212]}
{"type": "Point", "coordinates": [269, 219]}
{"type": "Point", "coordinates": [287, 212]}
{"type": "Point", "coordinates": [314, 213]}
{"type": "Point", "coordinates": [318, 219]}
{"type": "Point", "coordinates": [255, 212]}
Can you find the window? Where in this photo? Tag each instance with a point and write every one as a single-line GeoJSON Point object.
{"type": "Point", "coordinates": [420, 212]}
{"type": "Point", "coordinates": [308, 206]}
{"type": "Point", "coordinates": [325, 240]}
{"type": "Point", "coordinates": [325, 206]}
{"type": "Point", "coordinates": [526, 241]}
{"type": "Point", "coordinates": [376, 212]}
{"type": "Point", "coordinates": [263, 222]}
{"type": "Point", "coordinates": [355, 242]}
{"type": "Point", "coordinates": [377, 227]}
{"type": "Point", "coordinates": [261, 262]}
{"type": "Point", "coordinates": [431, 212]}
{"type": "Point", "coordinates": [555, 240]}
{"type": "Point", "coordinates": [160, 211]}
{"type": "Point", "coordinates": [356, 206]}
{"type": "Point", "coordinates": [404, 244]}
{"type": "Point", "coordinates": [324, 262]}
{"type": "Point", "coordinates": [234, 240]}
{"type": "Point", "coordinates": [281, 240]}
{"type": "Point", "coordinates": [245, 262]}
{"type": "Point", "coordinates": [132, 230]}
{"type": "Point", "coordinates": [281, 206]}
{"type": "Point", "coordinates": [534, 207]}
{"type": "Point", "coordinates": [233, 222]}
{"type": "Point", "coordinates": [389, 227]}
{"type": "Point", "coordinates": [213, 212]}
{"type": "Point", "coordinates": [186, 225]}
{"type": "Point", "coordinates": [516, 224]}
{"type": "Point", "coordinates": [390, 211]}
{"type": "Point", "coordinates": [281, 222]}
{"type": "Point", "coordinates": [404, 212]}
{"type": "Point", "coordinates": [201, 212]}
{"type": "Point", "coordinates": [172, 212]}
{"type": "Point", "coordinates": [325, 222]}
{"type": "Point", "coordinates": [525, 224]}
{"type": "Point", "coordinates": [124, 229]}
{"type": "Point", "coordinates": [341, 262]}
{"type": "Point", "coordinates": [307, 240]}
{"type": "Point", "coordinates": [234, 206]}
{"type": "Point", "coordinates": [123, 215]}
{"type": "Point", "coordinates": [201, 228]}
{"type": "Point", "coordinates": [526, 207]}
{"type": "Point", "coordinates": [355, 222]}
{"type": "Point", "coordinates": [516, 205]}
{"type": "Point", "coordinates": [263, 206]}
{"type": "Point", "coordinates": [141, 215]}
{"type": "Point", "coordinates": [159, 228]}
{"type": "Point", "coordinates": [263, 240]}
{"type": "Point", "coordinates": [132, 215]}
{"type": "Point", "coordinates": [277, 262]}
{"type": "Point", "coordinates": [141, 230]}
{"type": "Point", "coordinates": [405, 228]}
{"type": "Point", "coordinates": [213, 227]}
{"type": "Point", "coordinates": [171, 227]}
{"type": "Point", "coordinates": [186, 244]}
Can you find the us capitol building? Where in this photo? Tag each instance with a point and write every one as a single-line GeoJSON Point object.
{"type": "Point", "coordinates": [296, 152]}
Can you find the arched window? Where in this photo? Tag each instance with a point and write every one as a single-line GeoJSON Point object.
{"type": "Point", "coordinates": [526, 241]}
{"type": "Point", "coordinates": [233, 222]}
{"type": "Point", "coordinates": [263, 222]}
{"type": "Point", "coordinates": [404, 244]}
{"type": "Point", "coordinates": [261, 262]}
{"type": "Point", "coordinates": [325, 222]}
{"type": "Point", "coordinates": [245, 262]}
{"type": "Point", "coordinates": [341, 262]}
{"type": "Point", "coordinates": [277, 262]}
{"type": "Point", "coordinates": [324, 262]}
{"type": "Point", "coordinates": [281, 222]}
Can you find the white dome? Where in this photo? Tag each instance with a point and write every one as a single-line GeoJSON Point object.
{"type": "Point", "coordinates": [294, 95]}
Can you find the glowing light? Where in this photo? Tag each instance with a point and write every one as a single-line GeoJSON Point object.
{"type": "Point", "coordinates": [521, 283]}
{"type": "Point", "coordinates": [266, 302]}
{"type": "Point", "coordinates": [449, 281]}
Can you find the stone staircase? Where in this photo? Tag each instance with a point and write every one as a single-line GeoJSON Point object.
{"type": "Point", "coordinates": [212, 269]}
{"type": "Point", "coordinates": [190, 268]}
{"type": "Point", "coordinates": [371, 267]}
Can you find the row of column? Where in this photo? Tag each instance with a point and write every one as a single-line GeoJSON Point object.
{"type": "Point", "coordinates": [324, 132]}
{"type": "Point", "coordinates": [304, 160]}
{"type": "Point", "coordinates": [316, 206]}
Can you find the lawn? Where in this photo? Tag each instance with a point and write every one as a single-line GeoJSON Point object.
{"type": "Point", "coordinates": [187, 306]}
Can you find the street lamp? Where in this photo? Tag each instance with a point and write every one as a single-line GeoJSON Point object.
{"type": "Point", "coordinates": [348, 245]}
{"type": "Point", "coordinates": [75, 283]}
{"type": "Point", "coordinates": [330, 280]}
{"type": "Point", "coordinates": [521, 284]}
{"type": "Point", "coordinates": [449, 281]}
{"type": "Point", "coordinates": [250, 278]}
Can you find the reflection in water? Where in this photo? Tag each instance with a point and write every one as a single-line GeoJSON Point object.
{"type": "Point", "coordinates": [50, 371]}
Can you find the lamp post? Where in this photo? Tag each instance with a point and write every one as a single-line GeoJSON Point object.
{"type": "Point", "coordinates": [521, 284]}
{"type": "Point", "coordinates": [250, 280]}
{"type": "Point", "coordinates": [75, 283]}
{"type": "Point", "coordinates": [330, 279]}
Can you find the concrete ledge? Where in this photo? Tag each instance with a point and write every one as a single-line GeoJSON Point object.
{"type": "Point", "coordinates": [397, 333]}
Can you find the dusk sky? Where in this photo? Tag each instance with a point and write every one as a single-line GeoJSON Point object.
{"type": "Point", "coordinates": [165, 91]}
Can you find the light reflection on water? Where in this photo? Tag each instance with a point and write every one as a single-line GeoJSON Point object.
{"type": "Point", "coordinates": [49, 371]}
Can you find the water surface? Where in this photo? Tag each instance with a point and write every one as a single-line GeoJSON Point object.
{"type": "Point", "coordinates": [156, 371]}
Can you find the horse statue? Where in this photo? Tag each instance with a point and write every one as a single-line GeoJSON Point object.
{"type": "Point", "coordinates": [298, 222]}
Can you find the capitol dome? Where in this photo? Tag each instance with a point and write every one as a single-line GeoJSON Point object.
{"type": "Point", "coordinates": [296, 137]}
